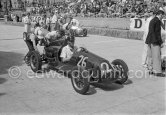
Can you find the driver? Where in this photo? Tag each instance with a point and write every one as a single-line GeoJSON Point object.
{"type": "Point", "coordinates": [68, 51]}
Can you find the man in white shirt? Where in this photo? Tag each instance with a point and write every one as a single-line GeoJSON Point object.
{"type": "Point", "coordinates": [146, 56]}
{"type": "Point", "coordinates": [67, 51]}
{"type": "Point", "coordinates": [27, 23]}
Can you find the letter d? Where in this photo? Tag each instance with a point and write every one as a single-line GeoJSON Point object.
{"type": "Point", "coordinates": [138, 23]}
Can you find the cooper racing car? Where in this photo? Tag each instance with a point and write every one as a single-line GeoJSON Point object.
{"type": "Point", "coordinates": [78, 31]}
{"type": "Point", "coordinates": [84, 68]}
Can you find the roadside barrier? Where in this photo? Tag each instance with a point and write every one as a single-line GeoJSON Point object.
{"type": "Point", "coordinates": [105, 31]}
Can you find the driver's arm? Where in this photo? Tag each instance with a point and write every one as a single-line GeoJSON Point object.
{"type": "Point", "coordinates": [65, 59]}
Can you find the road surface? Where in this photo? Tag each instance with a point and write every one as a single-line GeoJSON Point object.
{"type": "Point", "coordinates": [24, 92]}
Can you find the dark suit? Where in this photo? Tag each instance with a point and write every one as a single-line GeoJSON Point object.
{"type": "Point", "coordinates": [154, 42]}
{"type": "Point", "coordinates": [154, 35]}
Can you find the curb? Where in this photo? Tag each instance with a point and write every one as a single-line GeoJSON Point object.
{"type": "Point", "coordinates": [12, 23]}
{"type": "Point", "coordinates": [127, 34]}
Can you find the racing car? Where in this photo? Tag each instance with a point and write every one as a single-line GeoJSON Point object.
{"type": "Point", "coordinates": [84, 68]}
{"type": "Point", "coordinates": [78, 31]}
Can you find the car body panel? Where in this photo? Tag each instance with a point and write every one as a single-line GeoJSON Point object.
{"type": "Point", "coordinates": [79, 31]}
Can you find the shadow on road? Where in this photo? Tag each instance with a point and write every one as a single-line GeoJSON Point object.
{"type": "Point", "coordinates": [128, 82]}
{"type": "Point", "coordinates": [108, 86]}
{"type": "Point", "coordinates": [1, 94]}
{"type": "Point", "coordinates": [2, 80]}
{"type": "Point", "coordinates": [9, 59]}
{"type": "Point", "coordinates": [91, 91]}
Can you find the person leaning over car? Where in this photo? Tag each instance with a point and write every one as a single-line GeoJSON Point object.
{"type": "Point", "coordinates": [155, 42]}
{"type": "Point", "coordinates": [41, 32]}
{"type": "Point", "coordinates": [55, 35]}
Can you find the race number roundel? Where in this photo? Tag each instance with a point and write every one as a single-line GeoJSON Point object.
{"type": "Point", "coordinates": [81, 62]}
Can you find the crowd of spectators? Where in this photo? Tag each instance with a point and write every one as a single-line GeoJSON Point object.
{"type": "Point", "coordinates": [98, 8]}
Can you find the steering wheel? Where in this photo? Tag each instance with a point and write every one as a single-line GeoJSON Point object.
{"type": "Point", "coordinates": [82, 49]}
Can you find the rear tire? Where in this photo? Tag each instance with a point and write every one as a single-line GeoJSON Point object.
{"type": "Point", "coordinates": [79, 83]}
{"type": "Point", "coordinates": [122, 66]}
{"type": "Point", "coordinates": [35, 61]}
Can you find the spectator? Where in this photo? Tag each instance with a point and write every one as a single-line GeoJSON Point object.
{"type": "Point", "coordinates": [155, 42]}
{"type": "Point", "coordinates": [146, 59]}
{"type": "Point", "coordinates": [48, 23]}
{"type": "Point", "coordinates": [27, 23]}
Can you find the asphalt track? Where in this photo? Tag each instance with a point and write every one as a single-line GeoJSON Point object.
{"type": "Point", "coordinates": [24, 92]}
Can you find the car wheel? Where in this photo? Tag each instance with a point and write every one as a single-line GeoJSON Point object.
{"type": "Point", "coordinates": [35, 61]}
{"type": "Point", "coordinates": [122, 66]}
{"type": "Point", "coordinates": [84, 32]}
{"type": "Point", "coordinates": [79, 81]}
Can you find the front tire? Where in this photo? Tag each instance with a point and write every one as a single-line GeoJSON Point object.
{"type": "Point", "coordinates": [35, 61]}
{"type": "Point", "coordinates": [79, 81]}
{"type": "Point", "coordinates": [122, 66]}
